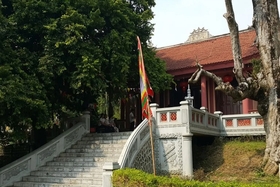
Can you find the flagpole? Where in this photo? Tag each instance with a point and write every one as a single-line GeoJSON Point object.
{"type": "Point", "coordinates": [146, 110]}
{"type": "Point", "coordinates": [152, 146]}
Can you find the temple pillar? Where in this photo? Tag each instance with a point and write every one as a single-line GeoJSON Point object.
{"type": "Point", "coordinates": [245, 106]}
{"type": "Point", "coordinates": [203, 92]}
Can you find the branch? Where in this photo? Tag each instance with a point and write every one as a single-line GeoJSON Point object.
{"type": "Point", "coordinates": [226, 87]}
{"type": "Point", "coordinates": [248, 87]}
{"type": "Point", "coordinates": [197, 74]}
{"type": "Point", "coordinates": [239, 93]}
{"type": "Point", "coordinates": [234, 35]}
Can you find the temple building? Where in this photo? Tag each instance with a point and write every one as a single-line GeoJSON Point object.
{"type": "Point", "coordinates": [214, 53]}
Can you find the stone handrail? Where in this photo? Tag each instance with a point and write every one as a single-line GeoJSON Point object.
{"type": "Point", "coordinates": [202, 117]}
{"type": "Point", "coordinates": [242, 124]}
{"type": "Point", "coordinates": [201, 121]}
{"type": "Point", "coordinates": [169, 115]}
{"type": "Point", "coordinates": [16, 170]}
{"type": "Point", "coordinates": [134, 143]}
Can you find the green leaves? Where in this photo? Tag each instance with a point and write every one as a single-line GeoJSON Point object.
{"type": "Point", "coordinates": [61, 55]}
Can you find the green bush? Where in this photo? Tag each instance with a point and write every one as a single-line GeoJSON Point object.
{"type": "Point", "coordinates": [135, 178]}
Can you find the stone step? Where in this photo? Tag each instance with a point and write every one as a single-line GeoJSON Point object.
{"type": "Point", "coordinates": [88, 142]}
{"type": "Point", "coordinates": [44, 184]}
{"type": "Point", "coordinates": [71, 169]}
{"type": "Point", "coordinates": [96, 150]}
{"type": "Point", "coordinates": [62, 180]}
{"type": "Point", "coordinates": [84, 159]}
{"type": "Point", "coordinates": [81, 165]}
{"type": "Point", "coordinates": [94, 146]}
{"type": "Point", "coordinates": [74, 164]}
{"type": "Point", "coordinates": [108, 134]}
{"type": "Point", "coordinates": [66, 174]}
{"type": "Point", "coordinates": [96, 154]}
{"type": "Point", "coordinates": [104, 138]}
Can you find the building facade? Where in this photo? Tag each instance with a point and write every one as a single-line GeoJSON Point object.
{"type": "Point", "coordinates": [214, 53]}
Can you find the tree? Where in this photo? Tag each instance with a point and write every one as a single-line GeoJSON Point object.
{"type": "Point", "coordinates": [120, 65]}
{"type": "Point", "coordinates": [22, 99]}
{"type": "Point", "coordinates": [61, 55]}
{"type": "Point", "coordinates": [104, 32]}
{"type": "Point", "coordinates": [264, 85]}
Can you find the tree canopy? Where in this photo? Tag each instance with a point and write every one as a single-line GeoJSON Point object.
{"type": "Point", "coordinates": [63, 54]}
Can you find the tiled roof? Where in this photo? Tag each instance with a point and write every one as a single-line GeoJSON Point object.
{"type": "Point", "coordinates": [210, 51]}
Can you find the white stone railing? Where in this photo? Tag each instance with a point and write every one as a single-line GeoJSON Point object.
{"type": "Point", "coordinates": [169, 115]}
{"type": "Point", "coordinates": [174, 128]}
{"type": "Point", "coordinates": [200, 121]}
{"type": "Point", "coordinates": [16, 170]}
{"type": "Point", "coordinates": [241, 125]}
{"type": "Point", "coordinates": [204, 122]}
{"type": "Point", "coordinates": [194, 120]}
{"type": "Point", "coordinates": [135, 142]}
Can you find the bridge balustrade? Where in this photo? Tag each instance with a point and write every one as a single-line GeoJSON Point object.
{"type": "Point", "coordinates": [203, 122]}
{"type": "Point", "coordinates": [169, 115]}
{"type": "Point", "coordinates": [200, 121]}
{"type": "Point", "coordinates": [242, 125]}
{"type": "Point", "coordinates": [23, 166]}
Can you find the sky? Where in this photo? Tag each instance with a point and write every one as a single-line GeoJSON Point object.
{"type": "Point", "coordinates": [175, 19]}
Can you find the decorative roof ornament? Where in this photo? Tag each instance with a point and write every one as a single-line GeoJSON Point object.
{"type": "Point", "coordinates": [199, 34]}
{"type": "Point", "coordinates": [189, 97]}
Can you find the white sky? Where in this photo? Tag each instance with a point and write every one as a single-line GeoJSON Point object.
{"type": "Point", "coordinates": [175, 19]}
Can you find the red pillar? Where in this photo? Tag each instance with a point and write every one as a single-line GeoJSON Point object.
{"type": "Point", "coordinates": [203, 92]}
{"type": "Point", "coordinates": [245, 106]}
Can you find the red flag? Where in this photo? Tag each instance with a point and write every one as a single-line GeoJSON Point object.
{"type": "Point", "coordinates": [145, 87]}
{"type": "Point", "coordinates": [149, 88]}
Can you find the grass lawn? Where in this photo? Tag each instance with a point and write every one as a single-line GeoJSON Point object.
{"type": "Point", "coordinates": [227, 162]}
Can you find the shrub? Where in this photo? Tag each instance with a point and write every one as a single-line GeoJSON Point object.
{"type": "Point", "coordinates": [136, 178]}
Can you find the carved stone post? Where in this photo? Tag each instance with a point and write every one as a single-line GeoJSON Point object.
{"type": "Point", "coordinates": [187, 155]}
{"type": "Point", "coordinates": [186, 110]}
{"type": "Point", "coordinates": [220, 122]}
{"type": "Point", "coordinates": [108, 169]}
{"type": "Point", "coordinates": [205, 118]}
{"type": "Point", "coordinates": [86, 119]}
{"type": "Point", "coordinates": [186, 116]}
{"type": "Point", "coordinates": [153, 107]}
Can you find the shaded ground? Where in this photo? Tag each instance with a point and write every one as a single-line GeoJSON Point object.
{"type": "Point", "coordinates": [235, 159]}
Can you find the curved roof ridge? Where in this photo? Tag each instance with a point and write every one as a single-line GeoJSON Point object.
{"type": "Point", "coordinates": [213, 50]}
{"type": "Point", "coordinates": [203, 40]}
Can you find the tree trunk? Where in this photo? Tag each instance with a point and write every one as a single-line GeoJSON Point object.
{"type": "Point", "coordinates": [262, 86]}
{"type": "Point", "coordinates": [267, 25]}
{"type": "Point", "coordinates": [110, 103]}
{"type": "Point", "coordinates": [271, 119]}
{"type": "Point", "coordinates": [38, 136]}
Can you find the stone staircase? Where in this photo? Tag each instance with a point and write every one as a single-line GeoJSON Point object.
{"type": "Point", "coordinates": [81, 165]}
